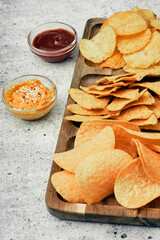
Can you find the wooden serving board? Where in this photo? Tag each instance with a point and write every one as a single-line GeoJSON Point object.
{"type": "Point", "coordinates": [108, 210]}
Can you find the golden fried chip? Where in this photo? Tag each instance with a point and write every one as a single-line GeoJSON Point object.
{"type": "Point", "coordinates": [145, 99]}
{"type": "Point", "coordinates": [153, 70]}
{"type": "Point", "coordinates": [155, 127]}
{"type": "Point", "coordinates": [150, 160]}
{"type": "Point", "coordinates": [86, 100]}
{"type": "Point", "coordinates": [126, 23]}
{"type": "Point", "coordinates": [65, 183]}
{"type": "Point", "coordinates": [155, 23]}
{"type": "Point", "coordinates": [145, 13]}
{"type": "Point", "coordinates": [116, 61]}
{"type": "Point", "coordinates": [133, 188]}
{"type": "Point", "coordinates": [102, 93]}
{"type": "Point", "coordinates": [146, 57]}
{"type": "Point", "coordinates": [82, 118]}
{"type": "Point", "coordinates": [75, 108]}
{"type": "Point", "coordinates": [155, 148]}
{"type": "Point", "coordinates": [97, 173]}
{"type": "Point", "coordinates": [153, 86]}
{"type": "Point", "coordinates": [100, 47]}
{"type": "Point", "coordinates": [109, 85]}
{"type": "Point", "coordinates": [70, 159]}
{"type": "Point", "coordinates": [156, 108]}
{"type": "Point", "coordinates": [133, 43]}
{"type": "Point", "coordinates": [112, 79]}
{"type": "Point", "coordinates": [90, 129]}
{"type": "Point", "coordinates": [135, 112]}
{"type": "Point", "coordinates": [127, 93]}
{"type": "Point", "coordinates": [151, 120]}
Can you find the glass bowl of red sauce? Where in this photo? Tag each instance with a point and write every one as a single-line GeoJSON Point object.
{"type": "Point", "coordinates": [53, 41]}
{"type": "Point", "coordinates": [29, 96]}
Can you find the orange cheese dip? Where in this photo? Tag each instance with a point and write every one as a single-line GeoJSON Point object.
{"type": "Point", "coordinates": [29, 95]}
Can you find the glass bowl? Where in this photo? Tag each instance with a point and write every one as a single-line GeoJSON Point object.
{"type": "Point", "coordinates": [48, 55]}
{"type": "Point", "coordinates": [35, 113]}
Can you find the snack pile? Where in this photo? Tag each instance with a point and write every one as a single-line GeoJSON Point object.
{"type": "Point", "coordinates": [110, 157]}
{"type": "Point", "coordinates": [129, 39]}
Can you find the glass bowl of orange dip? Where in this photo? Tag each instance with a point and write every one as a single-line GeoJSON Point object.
{"type": "Point", "coordinates": [29, 96]}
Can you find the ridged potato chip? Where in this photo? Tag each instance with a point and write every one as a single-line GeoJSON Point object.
{"type": "Point", "coordinates": [133, 43]}
{"type": "Point", "coordinates": [96, 174]}
{"type": "Point", "coordinates": [145, 13]}
{"type": "Point", "coordinates": [155, 23]}
{"type": "Point", "coordinates": [65, 183]}
{"type": "Point", "coordinates": [70, 159]}
{"type": "Point", "coordinates": [153, 70]}
{"type": "Point", "coordinates": [116, 61]}
{"type": "Point", "coordinates": [100, 47]}
{"type": "Point", "coordinates": [150, 160]}
{"type": "Point", "coordinates": [126, 23]}
{"type": "Point", "coordinates": [146, 57]}
{"type": "Point", "coordinates": [133, 188]}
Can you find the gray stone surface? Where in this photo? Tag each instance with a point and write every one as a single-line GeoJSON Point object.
{"type": "Point", "coordinates": [26, 146]}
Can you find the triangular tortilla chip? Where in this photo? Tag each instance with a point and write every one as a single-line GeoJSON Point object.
{"type": "Point", "coordinates": [77, 109]}
{"type": "Point", "coordinates": [151, 120]}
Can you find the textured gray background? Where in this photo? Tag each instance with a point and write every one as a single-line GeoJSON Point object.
{"type": "Point", "coordinates": [26, 146]}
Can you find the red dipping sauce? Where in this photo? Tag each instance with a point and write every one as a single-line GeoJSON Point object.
{"type": "Point", "coordinates": [53, 40]}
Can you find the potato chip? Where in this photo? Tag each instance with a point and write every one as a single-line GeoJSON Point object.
{"type": "Point", "coordinates": [70, 159]}
{"type": "Point", "coordinates": [145, 13]}
{"type": "Point", "coordinates": [133, 189]}
{"type": "Point", "coordinates": [150, 160]}
{"type": "Point", "coordinates": [116, 61]}
{"type": "Point", "coordinates": [124, 135]}
{"type": "Point", "coordinates": [65, 183]}
{"type": "Point", "coordinates": [133, 43]}
{"type": "Point", "coordinates": [151, 120]}
{"type": "Point", "coordinates": [100, 47]}
{"type": "Point", "coordinates": [75, 108]}
{"type": "Point", "coordinates": [86, 100]}
{"type": "Point", "coordinates": [82, 118]}
{"type": "Point", "coordinates": [90, 129]}
{"type": "Point", "coordinates": [146, 57]}
{"type": "Point", "coordinates": [155, 23]}
{"type": "Point", "coordinates": [126, 23]}
{"type": "Point", "coordinates": [155, 148]}
{"type": "Point", "coordinates": [97, 173]}
{"type": "Point", "coordinates": [153, 86]}
{"type": "Point", "coordinates": [153, 70]}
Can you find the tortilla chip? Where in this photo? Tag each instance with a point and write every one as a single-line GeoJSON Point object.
{"type": "Point", "coordinates": [156, 108]}
{"type": "Point", "coordinates": [150, 160]}
{"type": "Point", "coordinates": [105, 92]}
{"type": "Point", "coordinates": [145, 99]}
{"type": "Point", "coordinates": [153, 86]}
{"type": "Point", "coordinates": [77, 109]}
{"type": "Point", "coordinates": [133, 189]}
{"type": "Point", "coordinates": [103, 87]}
{"type": "Point", "coordinates": [65, 183]}
{"type": "Point", "coordinates": [86, 100]}
{"type": "Point", "coordinates": [151, 120]}
{"type": "Point", "coordinates": [135, 112]}
{"type": "Point", "coordinates": [97, 173]}
{"type": "Point", "coordinates": [155, 148]}
{"type": "Point", "coordinates": [70, 159]}
{"type": "Point", "coordinates": [82, 118]}
{"type": "Point", "coordinates": [155, 127]}
{"type": "Point", "coordinates": [127, 93]}
{"type": "Point", "coordinates": [116, 61]}
{"type": "Point", "coordinates": [89, 129]}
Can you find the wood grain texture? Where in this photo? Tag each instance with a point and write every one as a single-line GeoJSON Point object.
{"type": "Point", "coordinates": [108, 210]}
